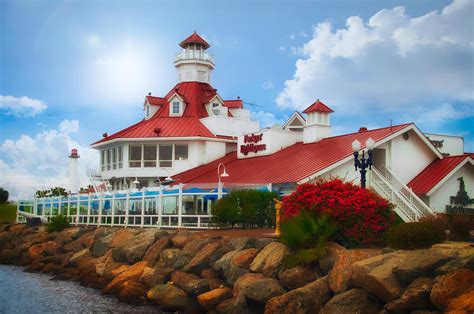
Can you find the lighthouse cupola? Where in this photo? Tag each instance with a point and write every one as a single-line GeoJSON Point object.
{"type": "Point", "coordinates": [318, 125]}
{"type": "Point", "coordinates": [194, 63]}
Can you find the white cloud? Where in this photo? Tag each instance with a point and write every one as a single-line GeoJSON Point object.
{"type": "Point", "coordinates": [34, 162]}
{"type": "Point", "coordinates": [69, 126]}
{"type": "Point", "coordinates": [267, 84]}
{"type": "Point", "coordinates": [444, 112]}
{"type": "Point", "coordinates": [21, 106]}
{"type": "Point", "coordinates": [266, 119]}
{"type": "Point", "coordinates": [389, 63]}
{"type": "Point", "coordinates": [93, 40]}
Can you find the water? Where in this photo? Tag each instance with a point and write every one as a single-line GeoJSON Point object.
{"type": "Point", "coordinates": [22, 292]}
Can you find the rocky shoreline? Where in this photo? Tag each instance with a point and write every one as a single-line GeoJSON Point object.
{"type": "Point", "coordinates": [181, 271]}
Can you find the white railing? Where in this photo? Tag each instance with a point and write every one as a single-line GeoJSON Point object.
{"type": "Point", "coordinates": [171, 208]}
{"type": "Point", "coordinates": [409, 206]}
{"type": "Point", "coordinates": [194, 54]}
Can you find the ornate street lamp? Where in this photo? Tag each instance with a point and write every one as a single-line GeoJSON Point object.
{"type": "Point", "coordinates": [363, 163]}
{"type": "Point", "coordinates": [221, 175]}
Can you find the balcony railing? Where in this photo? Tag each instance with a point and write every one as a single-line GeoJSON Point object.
{"type": "Point", "coordinates": [193, 55]}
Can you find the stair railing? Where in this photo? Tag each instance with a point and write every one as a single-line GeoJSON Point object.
{"type": "Point", "coordinates": [406, 192]}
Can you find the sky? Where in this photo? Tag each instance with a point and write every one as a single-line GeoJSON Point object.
{"type": "Point", "coordinates": [72, 70]}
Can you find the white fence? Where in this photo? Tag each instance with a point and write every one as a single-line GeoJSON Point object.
{"type": "Point", "coordinates": [153, 207]}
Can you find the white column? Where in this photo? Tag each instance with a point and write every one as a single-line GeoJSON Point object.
{"type": "Point", "coordinates": [180, 203]}
{"type": "Point", "coordinates": [113, 210]}
{"type": "Point", "coordinates": [143, 208]}
{"type": "Point", "coordinates": [88, 209]}
{"type": "Point", "coordinates": [78, 206]}
{"type": "Point", "coordinates": [160, 206]}
{"type": "Point", "coordinates": [127, 201]}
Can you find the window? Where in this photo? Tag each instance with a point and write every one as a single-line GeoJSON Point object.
{"type": "Point", "coordinates": [135, 156]}
{"type": "Point", "coordinates": [120, 157]}
{"type": "Point", "coordinates": [114, 158]}
{"type": "Point", "coordinates": [102, 160]}
{"type": "Point", "coordinates": [181, 152]}
{"type": "Point", "coordinates": [149, 155]}
{"type": "Point", "coordinates": [166, 155]}
{"type": "Point", "coordinates": [147, 111]}
{"type": "Point", "coordinates": [109, 157]}
{"type": "Point", "coordinates": [176, 107]}
{"type": "Point", "coordinates": [214, 105]}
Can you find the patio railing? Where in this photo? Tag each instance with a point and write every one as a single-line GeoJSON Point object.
{"type": "Point", "coordinates": [150, 207]}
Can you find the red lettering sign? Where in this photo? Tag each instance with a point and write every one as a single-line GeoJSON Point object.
{"type": "Point", "coordinates": [252, 145]}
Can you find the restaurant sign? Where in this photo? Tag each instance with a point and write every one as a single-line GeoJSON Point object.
{"type": "Point", "coordinates": [251, 144]}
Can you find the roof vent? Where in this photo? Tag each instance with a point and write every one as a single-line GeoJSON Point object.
{"type": "Point", "coordinates": [362, 129]}
{"type": "Point", "coordinates": [149, 94]}
{"type": "Point", "coordinates": [157, 131]}
{"type": "Point", "coordinates": [105, 134]}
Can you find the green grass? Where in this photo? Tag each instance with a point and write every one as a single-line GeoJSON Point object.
{"type": "Point", "coordinates": [7, 212]}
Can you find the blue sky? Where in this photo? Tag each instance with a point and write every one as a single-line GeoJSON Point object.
{"type": "Point", "coordinates": [71, 70]}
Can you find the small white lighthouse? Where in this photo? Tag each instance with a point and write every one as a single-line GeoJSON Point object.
{"type": "Point", "coordinates": [73, 172]}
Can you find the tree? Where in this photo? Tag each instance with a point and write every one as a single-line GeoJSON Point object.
{"type": "Point", "coordinates": [57, 191]}
{"type": "Point", "coordinates": [3, 196]}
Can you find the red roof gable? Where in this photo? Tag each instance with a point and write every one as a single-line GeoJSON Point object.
{"type": "Point", "coordinates": [237, 104]}
{"type": "Point", "coordinates": [194, 94]}
{"type": "Point", "coordinates": [434, 173]}
{"type": "Point", "coordinates": [291, 164]}
{"type": "Point", "coordinates": [318, 106]}
{"type": "Point", "coordinates": [194, 39]}
{"type": "Point", "coordinates": [156, 101]}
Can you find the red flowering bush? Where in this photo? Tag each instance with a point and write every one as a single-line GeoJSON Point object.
{"type": "Point", "coordinates": [361, 216]}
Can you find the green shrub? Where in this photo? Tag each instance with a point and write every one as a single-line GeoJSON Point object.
{"type": "Point", "coordinates": [58, 223]}
{"type": "Point", "coordinates": [245, 208]}
{"type": "Point", "coordinates": [415, 235]}
{"type": "Point", "coordinates": [307, 235]}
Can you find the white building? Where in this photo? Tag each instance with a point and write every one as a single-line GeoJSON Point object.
{"type": "Point", "coordinates": [190, 131]}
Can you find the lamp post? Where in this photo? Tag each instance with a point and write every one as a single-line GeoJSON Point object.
{"type": "Point", "coordinates": [167, 180]}
{"type": "Point", "coordinates": [219, 174]}
{"type": "Point", "coordinates": [363, 163]}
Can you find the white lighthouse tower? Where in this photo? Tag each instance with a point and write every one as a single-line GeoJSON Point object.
{"type": "Point", "coordinates": [73, 171]}
{"type": "Point", "coordinates": [194, 63]}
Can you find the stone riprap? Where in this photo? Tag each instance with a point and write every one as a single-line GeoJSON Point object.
{"type": "Point", "coordinates": [180, 271]}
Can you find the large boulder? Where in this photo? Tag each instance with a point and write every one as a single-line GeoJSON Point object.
{"type": "Point", "coordinates": [190, 283]}
{"type": "Point", "coordinates": [416, 296]}
{"type": "Point", "coordinates": [351, 301]}
{"type": "Point", "coordinates": [133, 292]}
{"type": "Point", "coordinates": [101, 245]}
{"type": "Point", "coordinates": [327, 261]}
{"type": "Point", "coordinates": [205, 257]}
{"type": "Point", "coordinates": [244, 258]}
{"type": "Point", "coordinates": [263, 290]}
{"type": "Point", "coordinates": [86, 240]}
{"type": "Point", "coordinates": [152, 255]}
{"type": "Point", "coordinates": [76, 257]}
{"type": "Point", "coordinates": [160, 275]}
{"type": "Point", "coordinates": [462, 304]}
{"type": "Point", "coordinates": [189, 251]}
{"type": "Point", "coordinates": [451, 286]}
{"type": "Point", "coordinates": [422, 263]}
{"type": "Point", "coordinates": [269, 260]}
{"type": "Point", "coordinates": [296, 277]}
{"type": "Point", "coordinates": [228, 269]}
{"type": "Point", "coordinates": [211, 299]}
{"type": "Point", "coordinates": [43, 249]}
{"type": "Point", "coordinates": [182, 238]}
{"type": "Point", "coordinates": [376, 276]}
{"type": "Point", "coordinates": [307, 299]}
{"type": "Point", "coordinates": [133, 273]}
{"type": "Point", "coordinates": [167, 258]}
{"type": "Point", "coordinates": [9, 256]}
{"type": "Point", "coordinates": [131, 249]}
{"type": "Point", "coordinates": [171, 298]}
{"type": "Point", "coordinates": [340, 276]}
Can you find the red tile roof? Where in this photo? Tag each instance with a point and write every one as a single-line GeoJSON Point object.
{"type": "Point", "coordinates": [291, 164]}
{"type": "Point", "coordinates": [237, 103]}
{"type": "Point", "coordinates": [318, 106]}
{"type": "Point", "coordinates": [195, 96]}
{"type": "Point", "coordinates": [156, 101]}
{"type": "Point", "coordinates": [194, 39]}
{"type": "Point", "coordinates": [427, 179]}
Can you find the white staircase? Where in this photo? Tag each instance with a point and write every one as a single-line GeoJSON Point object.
{"type": "Point", "coordinates": [408, 205]}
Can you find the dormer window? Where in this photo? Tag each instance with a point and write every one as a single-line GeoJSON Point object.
{"type": "Point", "coordinates": [148, 111]}
{"type": "Point", "coordinates": [214, 105]}
{"type": "Point", "coordinates": [176, 107]}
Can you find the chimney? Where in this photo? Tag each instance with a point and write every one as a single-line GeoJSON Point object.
{"type": "Point", "coordinates": [362, 129]}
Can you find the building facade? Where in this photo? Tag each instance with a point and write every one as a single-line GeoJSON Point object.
{"type": "Point", "coordinates": [189, 133]}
